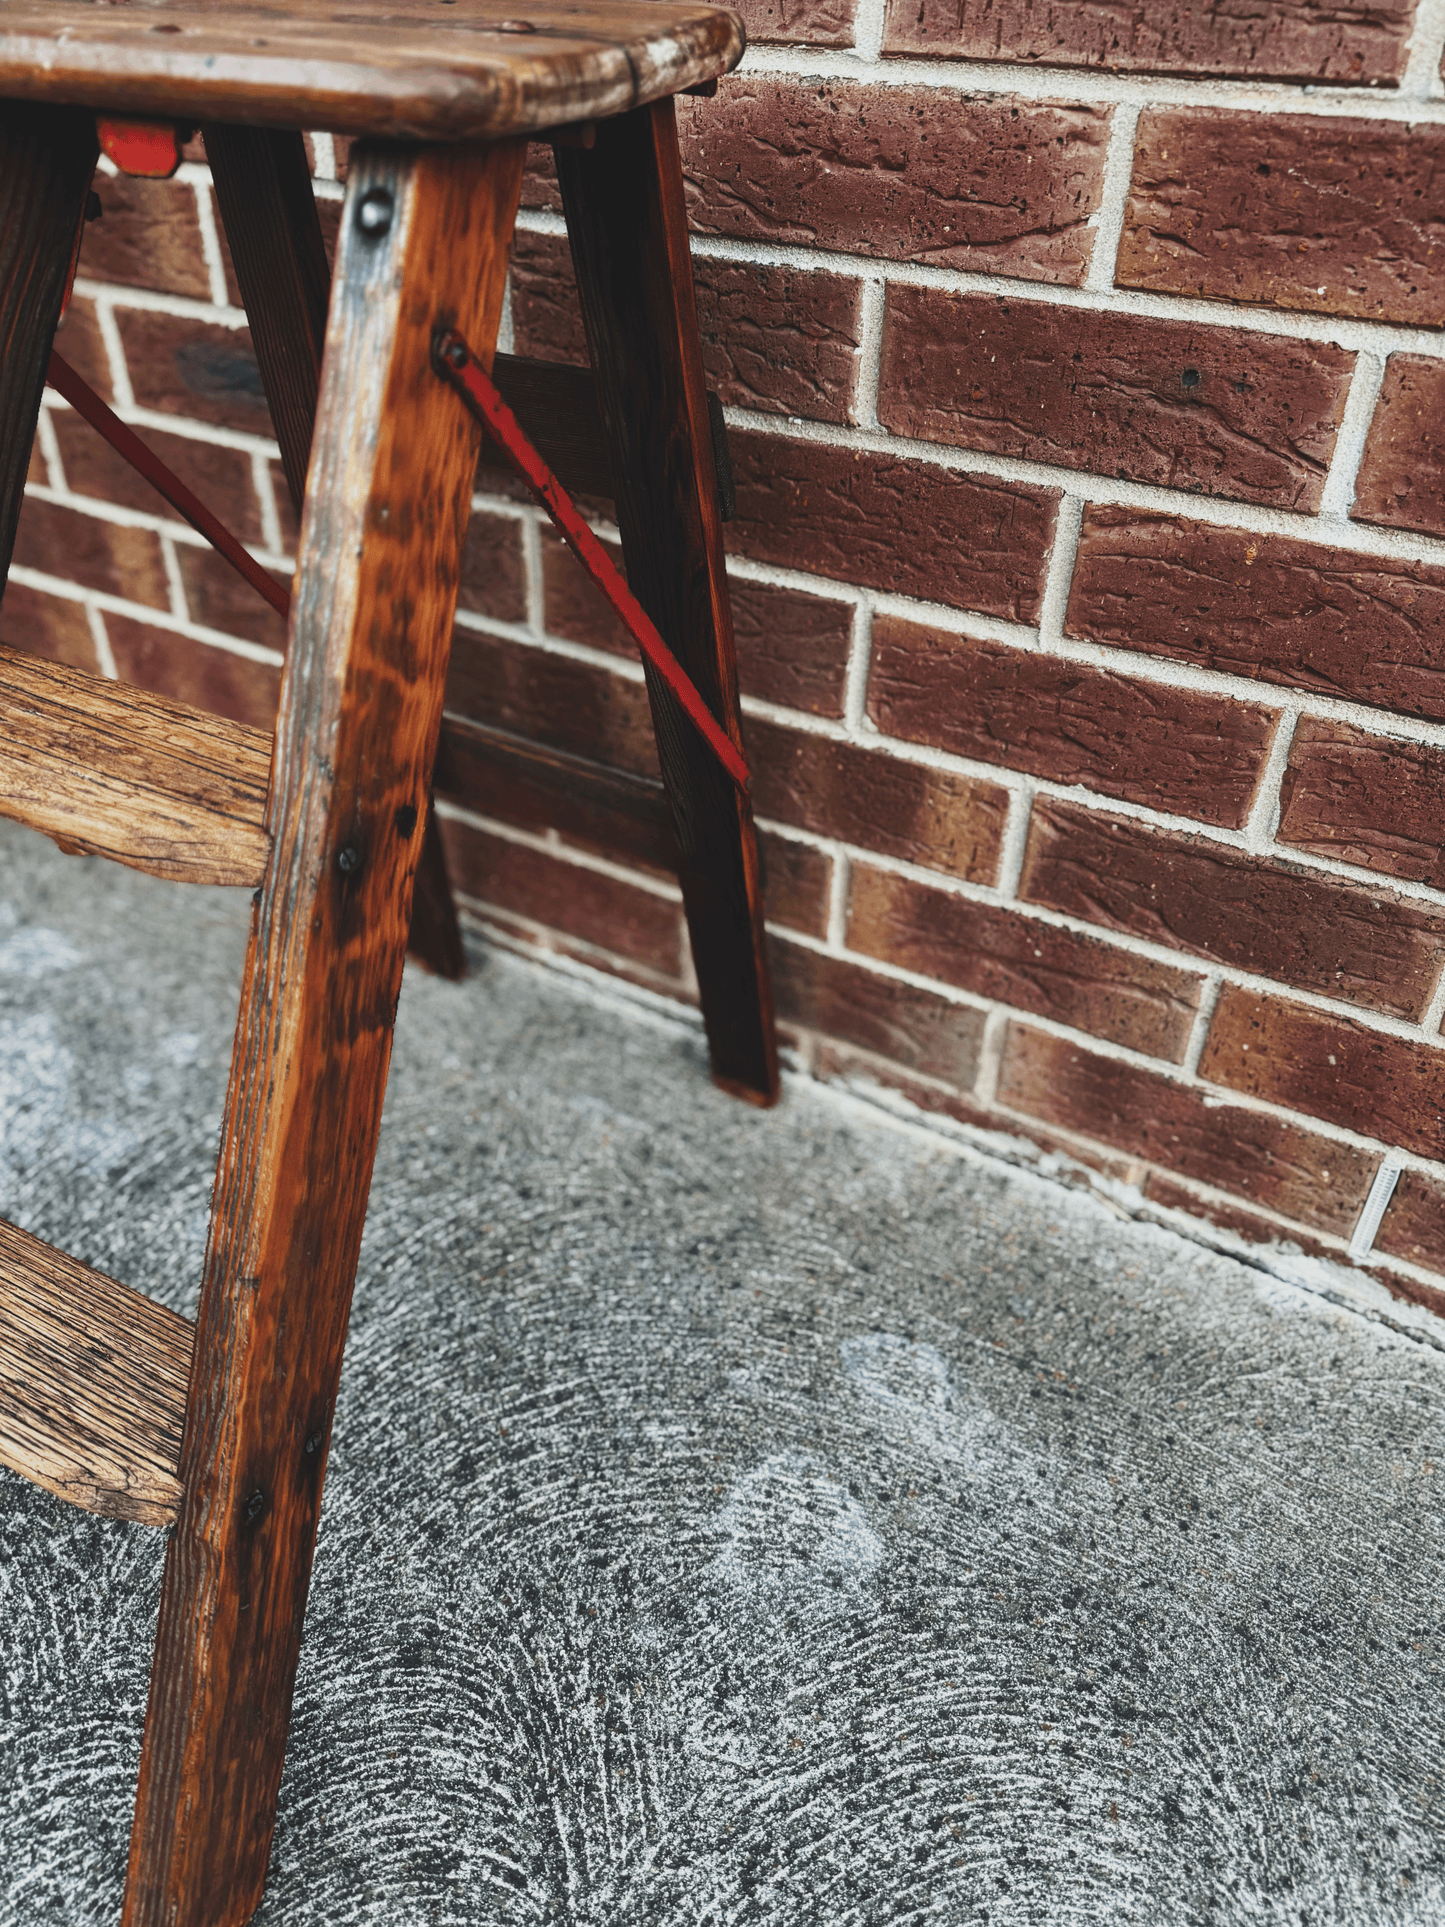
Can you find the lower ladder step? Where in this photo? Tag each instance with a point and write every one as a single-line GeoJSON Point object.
{"type": "Point", "coordinates": [109, 770]}
{"type": "Point", "coordinates": [92, 1384]}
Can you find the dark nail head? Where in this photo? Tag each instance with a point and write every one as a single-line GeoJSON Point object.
{"type": "Point", "coordinates": [374, 211]}
{"type": "Point", "coordinates": [348, 859]}
{"type": "Point", "coordinates": [255, 1504]}
{"type": "Point", "coordinates": [313, 1444]}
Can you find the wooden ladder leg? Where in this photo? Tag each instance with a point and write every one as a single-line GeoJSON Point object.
{"type": "Point", "coordinates": [47, 158]}
{"type": "Point", "coordinates": [627, 224]}
{"type": "Point", "coordinates": [424, 244]}
{"type": "Point", "coordinates": [268, 209]}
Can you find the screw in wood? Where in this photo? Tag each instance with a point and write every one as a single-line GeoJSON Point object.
{"type": "Point", "coordinates": [348, 859]}
{"type": "Point", "coordinates": [374, 212]}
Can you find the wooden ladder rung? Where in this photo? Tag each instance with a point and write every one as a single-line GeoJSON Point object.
{"type": "Point", "coordinates": [92, 1384]}
{"type": "Point", "coordinates": [110, 770]}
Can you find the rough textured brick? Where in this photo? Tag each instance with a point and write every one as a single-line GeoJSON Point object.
{"type": "Point", "coordinates": [1180, 751]}
{"type": "Point", "coordinates": [842, 513]}
{"type": "Point", "coordinates": [1364, 799]}
{"type": "Point", "coordinates": [47, 625]}
{"type": "Point", "coordinates": [1312, 40]}
{"type": "Point", "coordinates": [1280, 1166]}
{"type": "Point", "coordinates": [601, 910]}
{"type": "Point", "coordinates": [821, 23]}
{"type": "Point", "coordinates": [1391, 1088]}
{"type": "Point", "coordinates": [1371, 628]}
{"type": "Point", "coordinates": [845, 1000]}
{"type": "Point", "coordinates": [1016, 959]}
{"type": "Point", "coordinates": [1220, 411]}
{"type": "Point", "coordinates": [78, 340]}
{"type": "Point", "coordinates": [181, 367]}
{"type": "Point", "coordinates": [991, 183]}
{"type": "Point", "coordinates": [1334, 216]}
{"type": "Point", "coordinates": [792, 648]}
{"type": "Point", "coordinates": [221, 477]}
{"type": "Point", "coordinates": [796, 883]}
{"type": "Point", "coordinates": [148, 236]}
{"type": "Point", "coordinates": [1413, 1226]}
{"type": "Point", "coordinates": [1401, 482]}
{"type": "Point", "coordinates": [217, 598]}
{"type": "Point", "coordinates": [552, 699]}
{"type": "Point", "coordinates": [780, 340]}
{"type": "Point", "coordinates": [194, 672]}
{"type": "Point", "coordinates": [1302, 928]}
{"type": "Point", "coordinates": [877, 802]}
{"type": "Point", "coordinates": [493, 573]}
{"type": "Point", "coordinates": [99, 555]}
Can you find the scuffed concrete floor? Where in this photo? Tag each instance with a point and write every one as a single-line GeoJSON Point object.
{"type": "Point", "coordinates": [732, 1518]}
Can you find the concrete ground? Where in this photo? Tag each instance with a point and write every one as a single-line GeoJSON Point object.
{"type": "Point", "coordinates": [732, 1517]}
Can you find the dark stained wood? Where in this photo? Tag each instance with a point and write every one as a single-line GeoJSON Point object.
{"type": "Point", "coordinates": [556, 403]}
{"type": "Point", "coordinates": [114, 771]}
{"type": "Point", "coordinates": [436, 935]}
{"type": "Point", "coordinates": [401, 68]}
{"type": "Point", "coordinates": [496, 773]}
{"type": "Point", "coordinates": [626, 221]}
{"type": "Point", "coordinates": [47, 157]}
{"type": "Point", "coordinates": [360, 709]}
{"type": "Point", "coordinates": [268, 207]}
{"type": "Point", "coordinates": [92, 1384]}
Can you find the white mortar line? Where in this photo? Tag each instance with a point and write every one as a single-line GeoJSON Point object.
{"type": "Point", "coordinates": [1203, 1017]}
{"type": "Point", "coordinates": [141, 612]}
{"type": "Point", "coordinates": [100, 639]}
{"type": "Point", "coordinates": [563, 853]}
{"type": "Point", "coordinates": [210, 237]}
{"type": "Point", "coordinates": [1068, 520]}
{"type": "Point", "coordinates": [1013, 845]}
{"type": "Point", "coordinates": [1373, 1210]}
{"type": "Point", "coordinates": [863, 410]}
{"type": "Point", "coordinates": [869, 21]}
{"type": "Point", "coordinates": [263, 481]}
{"type": "Point", "coordinates": [1107, 221]}
{"type": "Point", "coordinates": [1434, 1015]}
{"type": "Point", "coordinates": [102, 510]}
{"type": "Point", "coordinates": [114, 353]}
{"type": "Point", "coordinates": [184, 307]}
{"type": "Point", "coordinates": [1338, 494]}
{"type": "Point", "coordinates": [174, 584]}
{"type": "Point", "coordinates": [536, 593]}
{"type": "Point", "coordinates": [990, 1055]}
{"type": "Point", "coordinates": [1421, 78]}
{"type": "Point", "coordinates": [1089, 86]}
{"type": "Point", "coordinates": [505, 336]}
{"type": "Point", "coordinates": [856, 720]}
{"type": "Point", "coordinates": [838, 887]}
{"type": "Point", "coordinates": [324, 149]}
{"type": "Point", "coordinates": [1259, 830]}
{"type": "Point", "coordinates": [184, 427]}
{"type": "Point", "coordinates": [50, 451]}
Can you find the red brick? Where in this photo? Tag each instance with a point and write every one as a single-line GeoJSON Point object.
{"type": "Point", "coordinates": [193, 368]}
{"type": "Point", "coordinates": [1413, 1226]}
{"type": "Point", "coordinates": [792, 648]}
{"type": "Point", "coordinates": [1364, 627]}
{"type": "Point", "coordinates": [1364, 799]}
{"type": "Point", "coordinates": [780, 340]}
{"type": "Point", "coordinates": [1279, 1166]}
{"type": "Point", "coordinates": [821, 23]}
{"type": "Point", "coordinates": [1363, 946]}
{"type": "Point", "coordinates": [330, 215]}
{"type": "Point", "coordinates": [1391, 1088]}
{"type": "Point", "coordinates": [796, 883]}
{"type": "Point", "coordinates": [845, 1000]}
{"type": "Point", "coordinates": [991, 183]}
{"type": "Point", "coordinates": [37, 469]}
{"type": "Point", "coordinates": [552, 699]}
{"type": "Point", "coordinates": [217, 598]}
{"type": "Point", "coordinates": [1175, 749]}
{"type": "Point", "coordinates": [1333, 216]}
{"type": "Point", "coordinates": [221, 477]}
{"type": "Point", "coordinates": [494, 574]}
{"type": "Point", "coordinates": [876, 801]}
{"type": "Point", "coordinates": [840, 512]}
{"type": "Point", "coordinates": [1017, 960]}
{"type": "Point", "coordinates": [47, 625]}
{"type": "Point", "coordinates": [194, 672]}
{"type": "Point", "coordinates": [1401, 483]}
{"type": "Point", "coordinates": [78, 340]}
{"type": "Point", "coordinates": [148, 236]}
{"type": "Point", "coordinates": [98, 555]}
{"type": "Point", "coordinates": [1219, 411]}
{"type": "Point", "coordinates": [601, 910]}
{"type": "Point", "coordinates": [1313, 40]}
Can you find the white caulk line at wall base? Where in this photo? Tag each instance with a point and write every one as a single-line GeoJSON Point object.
{"type": "Point", "coordinates": [1381, 1192]}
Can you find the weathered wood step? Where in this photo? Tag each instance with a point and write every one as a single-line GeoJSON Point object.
{"type": "Point", "coordinates": [110, 770]}
{"type": "Point", "coordinates": [92, 1384]}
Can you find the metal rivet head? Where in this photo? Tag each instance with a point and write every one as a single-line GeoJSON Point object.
{"type": "Point", "coordinates": [255, 1504]}
{"type": "Point", "coordinates": [348, 859]}
{"type": "Point", "coordinates": [457, 354]}
{"type": "Point", "coordinates": [313, 1444]}
{"type": "Point", "coordinates": [374, 212]}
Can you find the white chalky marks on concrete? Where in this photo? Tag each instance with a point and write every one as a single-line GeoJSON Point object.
{"type": "Point", "coordinates": [36, 1116]}
{"type": "Point", "coordinates": [180, 1046]}
{"type": "Point", "coordinates": [899, 1372]}
{"type": "Point", "coordinates": [791, 1526]}
{"type": "Point", "coordinates": [33, 951]}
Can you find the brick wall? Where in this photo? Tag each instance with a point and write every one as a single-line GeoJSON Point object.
{"type": "Point", "coordinates": [1086, 382]}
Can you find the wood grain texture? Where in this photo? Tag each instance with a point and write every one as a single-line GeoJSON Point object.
{"type": "Point", "coordinates": [401, 68]}
{"type": "Point", "coordinates": [47, 156]}
{"type": "Point", "coordinates": [110, 770]}
{"type": "Point", "coordinates": [92, 1384]}
{"type": "Point", "coordinates": [556, 403]}
{"type": "Point", "coordinates": [360, 708]}
{"type": "Point", "coordinates": [623, 201]}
